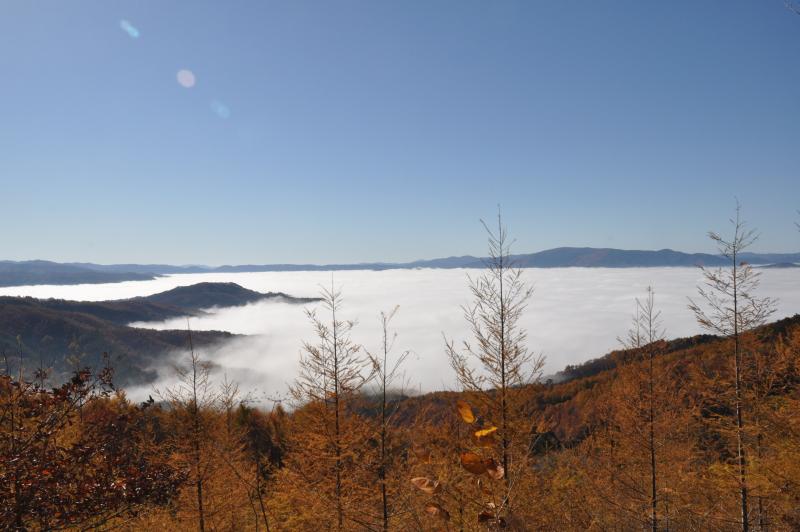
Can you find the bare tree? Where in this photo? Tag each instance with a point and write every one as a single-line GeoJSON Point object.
{"type": "Point", "coordinates": [503, 361]}
{"type": "Point", "coordinates": [731, 308]}
{"type": "Point", "coordinates": [331, 372]}
{"type": "Point", "coordinates": [387, 372]}
{"type": "Point", "coordinates": [231, 449]}
{"type": "Point", "coordinates": [189, 399]}
{"type": "Point", "coordinates": [645, 332]}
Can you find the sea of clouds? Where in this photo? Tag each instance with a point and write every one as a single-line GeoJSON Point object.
{"type": "Point", "coordinates": [575, 314]}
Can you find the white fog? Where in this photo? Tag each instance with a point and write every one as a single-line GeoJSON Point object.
{"type": "Point", "coordinates": [575, 314]}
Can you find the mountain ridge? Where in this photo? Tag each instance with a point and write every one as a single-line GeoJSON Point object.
{"type": "Point", "coordinates": [560, 257]}
{"type": "Point", "coordinates": [46, 272]}
{"type": "Point", "coordinates": [33, 272]}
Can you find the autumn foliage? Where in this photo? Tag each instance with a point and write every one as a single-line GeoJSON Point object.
{"type": "Point", "coordinates": [76, 456]}
{"type": "Point", "coordinates": [81, 455]}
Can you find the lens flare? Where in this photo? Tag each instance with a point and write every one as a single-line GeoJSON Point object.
{"type": "Point", "coordinates": [129, 28]}
{"type": "Point", "coordinates": [220, 109]}
{"type": "Point", "coordinates": [186, 78]}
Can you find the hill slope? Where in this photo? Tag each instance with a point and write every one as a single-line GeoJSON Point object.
{"type": "Point", "coordinates": [54, 332]}
{"type": "Point", "coordinates": [207, 295]}
{"type": "Point", "coordinates": [56, 335]}
{"type": "Point", "coordinates": [571, 401]}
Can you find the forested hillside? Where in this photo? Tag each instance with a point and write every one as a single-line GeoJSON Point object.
{"type": "Point", "coordinates": [583, 441]}
{"type": "Point", "coordinates": [63, 336]}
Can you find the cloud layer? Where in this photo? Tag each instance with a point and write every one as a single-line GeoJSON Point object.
{"type": "Point", "coordinates": [575, 314]}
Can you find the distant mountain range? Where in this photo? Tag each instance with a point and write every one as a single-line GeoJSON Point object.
{"type": "Point", "coordinates": [565, 257]}
{"type": "Point", "coordinates": [780, 266]}
{"type": "Point", "coordinates": [44, 272]}
{"type": "Point", "coordinates": [59, 333]}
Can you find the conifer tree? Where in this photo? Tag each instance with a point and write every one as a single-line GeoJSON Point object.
{"type": "Point", "coordinates": [327, 435]}
{"type": "Point", "coordinates": [646, 331]}
{"type": "Point", "coordinates": [729, 306]}
{"type": "Point", "coordinates": [387, 372]}
{"type": "Point", "coordinates": [192, 401]}
{"type": "Point", "coordinates": [639, 425]}
{"type": "Point", "coordinates": [499, 364]}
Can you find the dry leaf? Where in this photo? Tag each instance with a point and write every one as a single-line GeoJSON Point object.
{"type": "Point", "coordinates": [485, 432]}
{"type": "Point", "coordinates": [465, 411]}
{"type": "Point", "coordinates": [485, 437]}
{"type": "Point", "coordinates": [427, 485]}
{"type": "Point", "coordinates": [422, 454]}
{"type": "Point", "coordinates": [494, 470]}
{"type": "Point", "coordinates": [436, 509]}
{"type": "Point", "coordinates": [473, 463]}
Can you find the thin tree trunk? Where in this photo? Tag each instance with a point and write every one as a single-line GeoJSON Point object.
{"type": "Point", "coordinates": [739, 420]}
{"type": "Point", "coordinates": [383, 436]}
{"type": "Point", "coordinates": [653, 497]}
{"type": "Point", "coordinates": [740, 443]}
{"type": "Point", "coordinates": [196, 440]}
{"type": "Point", "coordinates": [258, 491]}
{"type": "Point", "coordinates": [763, 521]}
{"type": "Point", "coordinates": [337, 438]}
{"type": "Point", "coordinates": [503, 387]}
{"type": "Point", "coordinates": [199, 490]}
{"type": "Point", "coordinates": [18, 521]}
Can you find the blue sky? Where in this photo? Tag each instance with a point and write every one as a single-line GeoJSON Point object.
{"type": "Point", "coordinates": [378, 130]}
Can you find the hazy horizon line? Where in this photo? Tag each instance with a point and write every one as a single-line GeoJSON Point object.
{"type": "Point", "coordinates": [367, 262]}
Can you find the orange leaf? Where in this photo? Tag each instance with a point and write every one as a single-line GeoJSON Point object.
{"type": "Point", "coordinates": [465, 411]}
{"type": "Point", "coordinates": [473, 463]}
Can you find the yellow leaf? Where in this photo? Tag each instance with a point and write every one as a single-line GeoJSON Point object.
{"type": "Point", "coordinates": [485, 432]}
{"type": "Point", "coordinates": [485, 437]}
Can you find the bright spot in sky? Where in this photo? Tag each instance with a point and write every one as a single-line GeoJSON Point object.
{"type": "Point", "coordinates": [186, 78]}
{"type": "Point", "coordinates": [129, 28]}
{"type": "Point", "coordinates": [220, 109]}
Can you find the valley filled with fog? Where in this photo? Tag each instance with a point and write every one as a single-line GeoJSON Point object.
{"type": "Point", "coordinates": [575, 314]}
